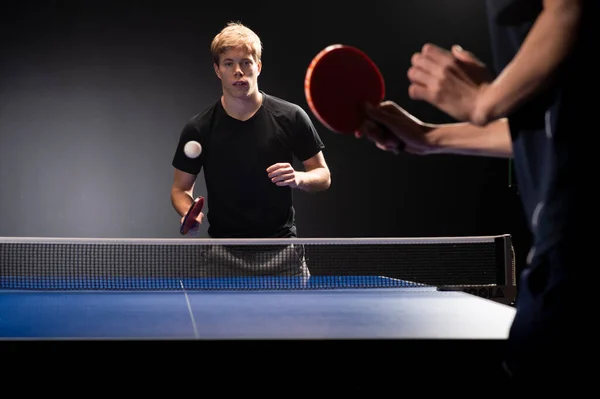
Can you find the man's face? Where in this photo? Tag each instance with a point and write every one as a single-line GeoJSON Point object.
{"type": "Point", "coordinates": [238, 72]}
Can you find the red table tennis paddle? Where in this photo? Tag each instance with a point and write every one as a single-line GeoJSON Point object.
{"type": "Point", "coordinates": [339, 82]}
{"type": "Point", "coordinates": [189, 219]}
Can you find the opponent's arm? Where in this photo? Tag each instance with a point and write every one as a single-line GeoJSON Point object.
{"type": "Point", "coordinates": [548, 43]}
{"type": "Point", "coordinates": [421, 138]}
{"type": "Point", "coordinates": [491, 140]}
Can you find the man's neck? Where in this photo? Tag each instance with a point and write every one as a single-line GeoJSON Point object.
{"type": "Point", "coordinates": [242, 109]}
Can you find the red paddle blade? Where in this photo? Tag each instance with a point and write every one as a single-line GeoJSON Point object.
{"type": "Point", "coordinates": [190, 217]}
{"type": "Point", "coordinates": [339, 81]}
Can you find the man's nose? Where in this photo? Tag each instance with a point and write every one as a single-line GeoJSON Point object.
{"type": "Point", "coordinates": [238, 70]}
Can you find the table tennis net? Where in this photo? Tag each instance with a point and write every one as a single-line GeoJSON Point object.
{"type": "Point", "coordinates": [219, 264]}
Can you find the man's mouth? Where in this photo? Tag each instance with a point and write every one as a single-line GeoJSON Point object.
{"type": "Point", "coordinates": [240, 84]}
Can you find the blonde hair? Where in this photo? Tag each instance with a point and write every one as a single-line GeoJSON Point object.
{"type": "Point", "coordinates": [234, 36]}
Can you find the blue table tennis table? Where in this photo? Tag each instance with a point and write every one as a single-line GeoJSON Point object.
{"type": "Point", "coordinates": [334, 324]}
{"type": "Point", "coordinates": [346, 311]}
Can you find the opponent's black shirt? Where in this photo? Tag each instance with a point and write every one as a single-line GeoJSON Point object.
{"type": "Point", "coordinates": [242, 200]}
{"type": "Point", "coordinates": [547, 134]}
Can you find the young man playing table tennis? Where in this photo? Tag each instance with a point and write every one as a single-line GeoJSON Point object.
{"type": "Point", "coordinates": [249, 140]}
{"type": "Point", "coordinates": [531, 111]}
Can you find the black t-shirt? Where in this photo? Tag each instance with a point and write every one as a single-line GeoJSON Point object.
{"type": "Point", "coordinates": [242, 200]}
{"type": "Point", "coordinates": [547, 133]}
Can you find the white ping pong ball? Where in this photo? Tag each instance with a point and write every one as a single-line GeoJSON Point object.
{"type": "Point", "coordinates": [192, 149]}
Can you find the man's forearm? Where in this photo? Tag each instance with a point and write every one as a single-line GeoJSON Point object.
{"type": "Point", "coordinates": [181, 201]}
{"type": "Point", "coordinates": [492, 140]}
{"type": "Point", "coordinates": [317, 179]}
{"type": "Point", "coordinates": [546, 47]}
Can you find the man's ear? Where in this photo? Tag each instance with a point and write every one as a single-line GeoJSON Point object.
{"type": "Point", "coordinates": [216, 67]}
{"type": "Point", "coordinates": [259, 67]}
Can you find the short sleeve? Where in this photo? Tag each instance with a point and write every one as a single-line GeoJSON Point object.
{"type": "Point", "coordinates": [306, 140]}
{"type": "Point", "coordinates": [180, 160]}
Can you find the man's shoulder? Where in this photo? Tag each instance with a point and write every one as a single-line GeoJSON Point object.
{"type": "Point", "coordinates": [280, 107]}
{"type": "Point", "coordinates": [204, 117]}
